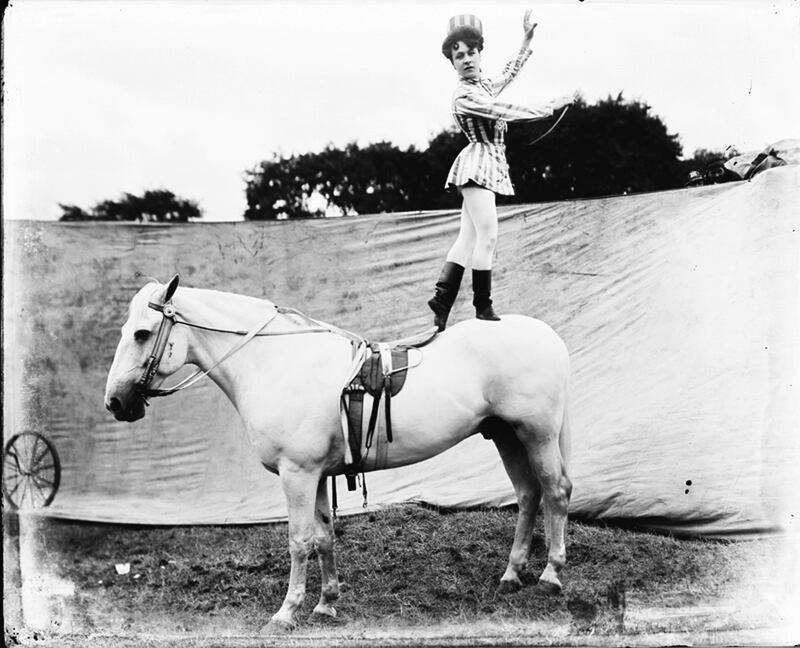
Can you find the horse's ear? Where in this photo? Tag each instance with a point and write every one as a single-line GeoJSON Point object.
{"type": "Point", "coordinates": [172, 286]}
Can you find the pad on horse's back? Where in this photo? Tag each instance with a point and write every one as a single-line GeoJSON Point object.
{"type": "Point", "coordinates": [372, 371]}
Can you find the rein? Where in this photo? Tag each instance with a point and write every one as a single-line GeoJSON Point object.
{"type": "Point", "coordinates": [170, 318]}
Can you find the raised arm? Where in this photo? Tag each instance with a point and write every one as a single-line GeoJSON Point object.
{"type": "Point", "coordinates": [513, 67]}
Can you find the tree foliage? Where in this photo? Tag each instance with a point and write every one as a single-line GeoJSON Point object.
{"type": "Point", "coordinates": [377, 178]}
{"type": "Point", "coordinates": [612, 147]}
{"type": "Point", "coordinates": [158, 205]}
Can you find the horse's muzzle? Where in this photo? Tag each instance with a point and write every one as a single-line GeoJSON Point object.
{"type": "Point", "coordinates": [130, 413]}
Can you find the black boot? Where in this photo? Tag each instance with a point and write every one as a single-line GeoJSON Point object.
{"type": "Point", "coordinates": [482, 295]}
{"type": "Point", "coordinates": [446, 291]}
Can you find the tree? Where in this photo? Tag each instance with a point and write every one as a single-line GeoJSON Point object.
{"type": "Point", "coordinates": [612, 147]}
{"type": "Point", "coordinates": [158, 205]}
{"type": "Point", "coordinates": [442, 150]}
{"type": "Point", "coordinates": [73, 213]}
{"type": "Point", "coordinates": [353, 180]}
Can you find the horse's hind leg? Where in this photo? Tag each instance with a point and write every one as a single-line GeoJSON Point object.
{"type": "Point", "coordinates": [556, 489]}
{"type": "Point", "coordinates": [325, 551]}
{"type": "Point", "coordinates": [528, 491]}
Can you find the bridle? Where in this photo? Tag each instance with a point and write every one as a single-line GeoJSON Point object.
{"type": "Point", "coordinates": [153, 362]}
{"type": "Point", "coordinates": [170, 318]}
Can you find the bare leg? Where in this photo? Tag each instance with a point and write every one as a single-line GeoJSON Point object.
{"type": "Point", "coordinates": [461, 251]}
{"type": "Point", "coordinates": [479, 204]}
{"type": "Point", "coordinates": [515, 460]}
{"type": "Point", "coordinates": [557, 488]}
{"type": "Point", "coordinates": [299, 488]}
{"type": "Point", "coordinates": [325, 551]}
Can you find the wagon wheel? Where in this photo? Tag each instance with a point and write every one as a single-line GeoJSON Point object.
{"type": "Point", "coordinates": [31, 470]}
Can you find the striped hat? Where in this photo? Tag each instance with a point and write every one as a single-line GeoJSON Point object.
{"type": "Point", "coordinates": [460, 27]}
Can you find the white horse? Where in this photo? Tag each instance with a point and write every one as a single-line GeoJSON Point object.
{"type": "Point", "coordinates": [508, 379]}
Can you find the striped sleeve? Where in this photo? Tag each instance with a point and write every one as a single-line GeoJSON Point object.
{"type": "Point", "coordinates": [479, 104]}
{"type": "Point", "coordinates": [510, 71]}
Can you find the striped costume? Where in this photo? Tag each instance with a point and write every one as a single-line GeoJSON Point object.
{"type": "Point", "coordinates": [482, 118]}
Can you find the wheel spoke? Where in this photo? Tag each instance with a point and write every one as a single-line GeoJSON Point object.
{"type": "Point", "coordinates": [16, 479]}
{"type": "Point", "coordinates": [25, 490]}
{"type": "Point", "coordinates": [20, 481]}
{"type": "Point", "coordinates": [33, 491]}
{"type": "Point", "coordinates": [38, 459]}
{"type": "Point", "coordinates": [13, 453]}
{"type": "Point", "coordinates": [35, 456]}
{"type": "Point", "coordinates": [41, 482]}
{"type": "Point", "coordinates": [10, 477]}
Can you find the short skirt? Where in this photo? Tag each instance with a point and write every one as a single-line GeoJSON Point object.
{"type": "Point", "coordinates": [484, 164]}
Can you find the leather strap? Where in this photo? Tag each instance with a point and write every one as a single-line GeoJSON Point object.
{"type": "Point", "coordinates": [197, 375]}
{"type": "Point", "coordinates": [386, 364]}
{"type": "Point", "coordinates": [359, 353]}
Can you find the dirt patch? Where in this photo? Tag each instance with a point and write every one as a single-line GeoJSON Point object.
{"type": "Point", "coordinates": [406, 572]}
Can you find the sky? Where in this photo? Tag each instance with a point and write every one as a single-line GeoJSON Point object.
{"type": "Point", "coordinates": [103, 97]}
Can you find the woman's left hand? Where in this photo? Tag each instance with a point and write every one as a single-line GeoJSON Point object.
{"type": "Point", "coordinates": [528, 26]}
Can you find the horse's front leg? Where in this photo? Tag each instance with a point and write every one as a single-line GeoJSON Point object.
{"type": "Point", "coordinates": [299, 487]}
{"type": "Point", "coordinates": [325, 552]}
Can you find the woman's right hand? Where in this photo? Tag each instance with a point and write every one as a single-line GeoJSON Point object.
{"type": "Point", "coordinates": [565, 100]}
{"type": "Point", "coordinates": [527, 27]}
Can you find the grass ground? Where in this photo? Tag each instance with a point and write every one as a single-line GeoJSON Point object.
{"type": "Point", "coordinates": [407, 572]}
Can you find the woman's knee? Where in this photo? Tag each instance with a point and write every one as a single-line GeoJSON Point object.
{"type": "Point", "coordinates": [466, 238]}
{"type": "Point", "coordinates": [486, 240]}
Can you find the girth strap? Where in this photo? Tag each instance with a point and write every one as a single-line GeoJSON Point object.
{"type": "Point", "coordinates": [386, 362]}
{"type": "Point", "coordinates": [359, 353]}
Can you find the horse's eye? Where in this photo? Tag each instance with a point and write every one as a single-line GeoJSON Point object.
{"type": "Point", "coordinates": [142, 335]}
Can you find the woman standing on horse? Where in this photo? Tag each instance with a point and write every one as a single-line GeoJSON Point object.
{"type": "Point", "coordinates": [480, 171]}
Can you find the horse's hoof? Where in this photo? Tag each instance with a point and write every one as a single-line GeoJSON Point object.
{"type": "Point", "coordinates": [509, 586]}
{"type": "Point", "coordinates": [277, 627]}
{"type": "Point", "coordinates": [548, 587]}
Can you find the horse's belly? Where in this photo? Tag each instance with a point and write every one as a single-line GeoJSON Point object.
{"type": "Point", "coordinates": [427, 418]}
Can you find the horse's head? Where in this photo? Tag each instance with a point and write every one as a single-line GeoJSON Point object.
{"type": "Point", "coordinates": [149, 350]}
